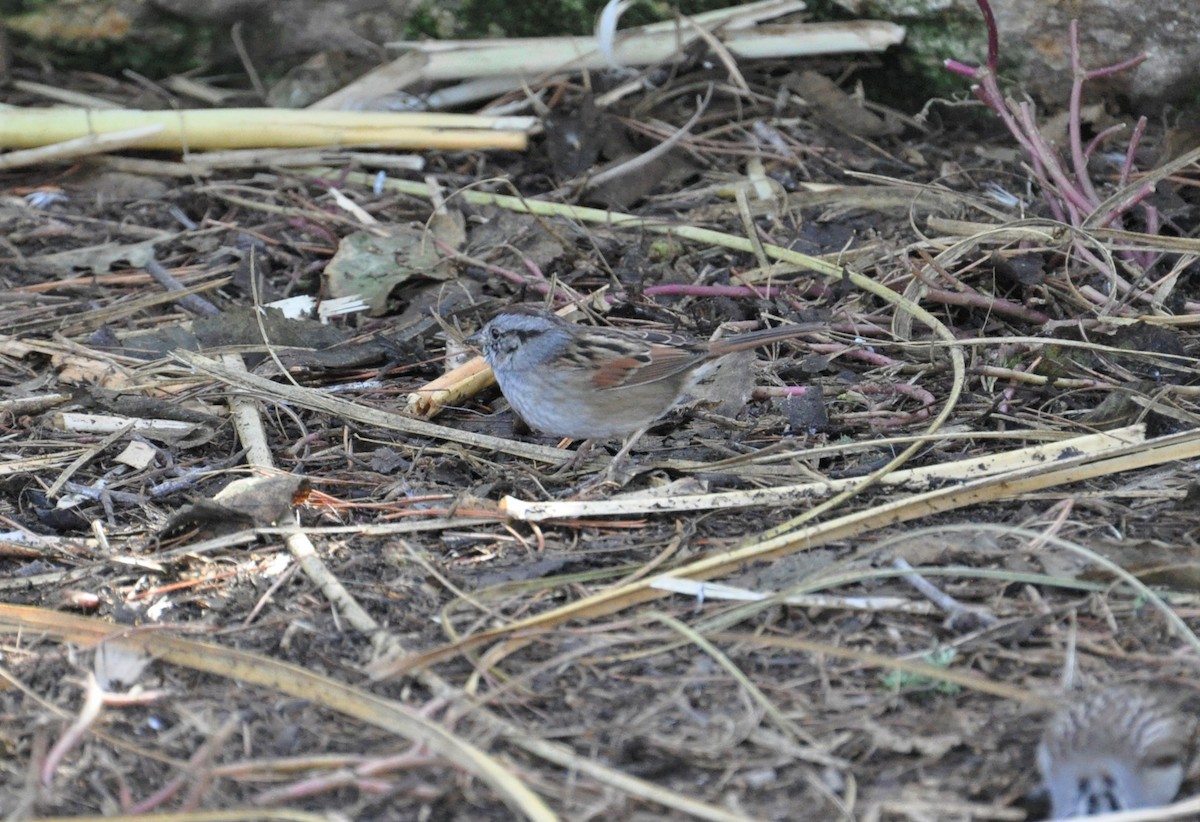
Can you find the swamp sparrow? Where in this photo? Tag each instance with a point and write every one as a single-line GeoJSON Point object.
{"type": "Point", "coordinates": [1119, 749]}
{"type": "Point", "coordinates": [595, 383]}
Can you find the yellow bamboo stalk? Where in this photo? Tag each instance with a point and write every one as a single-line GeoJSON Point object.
{"type": "Point", "coordinates": [260, 128]}
{"type": "Point", "coordinates": [452, 388]}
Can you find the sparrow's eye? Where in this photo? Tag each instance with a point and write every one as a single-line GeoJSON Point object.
{"type": "Point", "coordinates": [494, 333]}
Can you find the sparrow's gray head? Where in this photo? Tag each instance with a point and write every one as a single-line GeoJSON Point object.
{"type": "Point", "coordinates": [518, 332]}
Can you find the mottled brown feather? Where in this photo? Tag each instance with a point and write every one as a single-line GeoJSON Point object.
{"type": "Point", "coordinates": [659, 363]}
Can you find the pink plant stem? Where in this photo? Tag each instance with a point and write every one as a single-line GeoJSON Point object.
{"type": "Point", "coordinates": [1144, 258]}
{"type": "Point", "coordinates": [1052, 203]}
{"type": "Point", "coordinates": [1074, 121]}
{"type": "Point", "coordinates": [1068, 199]}
{"type": "Point", "coordinates": [993, 36]}
{"type": "Point", "coordinates": [995, 305]}
{"type": "Point", "coordinates": [861, 354]}
{"type": "Point", "coordinates": [1092, 295]}
{"type": "Point", "coordinates": [966, 295]}
{"type": "Point", "coordinates": [1119, 284]}
{"type": "Point", "coordinates": [1131, 199]}
{"type": "Point", "coordinates": [950, 64]}
{"type": "Point", "coordinates": [1152, 223]}
{"type": "Point", "coordinates": [1100, 138]}
{"type": "Point", "coordinates": [686, 290]}
{"type": "Point", "coordinates": [323, 784]}
{"type": "Point", "coordinates": [89, 713]}
{"type": "Point", "coordinates": [1080, 156]}
{"type": "Point", "coordinates": [897, 419]}
{"type": "Point", "coordinates": [1073, 201]}
{"type": "Point", "coordinates": [1135, 139]}
{"type": "Point", "coordinates": [169, 791]}
{"type": "Point", "coordinates": [1116, 68]}
{"type": "Point", "coordinates": [904, 389]}
{"type": "Point", "coordinates": [1077, 201]}
{"type": "Point", "coordinates": [1011, 390]}
{"type": "Point", "coordinates": [766, 392]}
{"type": "Point", "coordinates": [988, 90]}
{"type": "Point", "coordinates": [993, 44]}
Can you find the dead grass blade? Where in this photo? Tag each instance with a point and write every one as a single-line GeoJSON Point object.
{"type": "Point", "coordinates": [921, 669]}
{"type": "Point", "coordinates": [79, 147]}
{"type": "Point", "coordinates": [283, 814]}
{"type": "Point", "coordinates": [321, 401]}
{"type": "Point", "coordinates": [1007, 486]}
{"type": "Point", "coordinates": [290, 679]}
{"type": "Point", "coordinates": [914, 479]}
{"type": "Point", "coordinates": [693, 636]}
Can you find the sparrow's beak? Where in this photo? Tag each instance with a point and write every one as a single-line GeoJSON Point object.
{"type": "Point", "coordinates": [475, 340]}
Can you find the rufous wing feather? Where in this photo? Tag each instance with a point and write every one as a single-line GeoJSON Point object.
{"type": "Point", "coordinates": [658, 363]}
